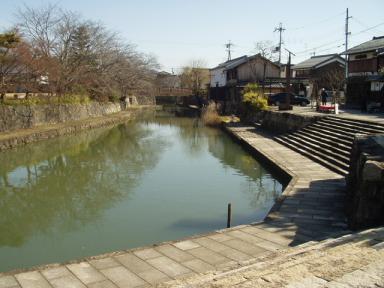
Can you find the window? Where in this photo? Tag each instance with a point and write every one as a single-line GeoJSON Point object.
{"type": "Point", "coordinates": [361, 56]}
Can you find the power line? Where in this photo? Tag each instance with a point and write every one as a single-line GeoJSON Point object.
{"type": "Point", "coordinates": [365, 26]}
{"type": "Point", "coordinates": [338, 40]}
{"type": "Point", "coordinates": [369, 28]}
{"type": "Point", "coordinates": [333, 47]}
{"type": "Point", "coordinates": [320, 46]}
{"type": "Point", "coordinates": [317, 22]}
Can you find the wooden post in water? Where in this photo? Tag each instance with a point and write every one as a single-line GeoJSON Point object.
{"type": "Point", "coordinates": [229, 215]}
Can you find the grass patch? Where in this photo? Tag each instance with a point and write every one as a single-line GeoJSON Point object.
{"type": "Point", "coordinates": [210, 115]}
{"type": "Point", "coordinates": [43, 100]}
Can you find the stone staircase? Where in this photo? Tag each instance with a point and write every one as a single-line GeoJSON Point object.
{"type": "Point", "coordinates": [354, 260]}
{"type": "Point", "coordinates": [329, 140]}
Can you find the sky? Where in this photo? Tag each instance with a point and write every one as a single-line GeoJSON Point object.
{"type": "Point", "coordinates": [180, 31]}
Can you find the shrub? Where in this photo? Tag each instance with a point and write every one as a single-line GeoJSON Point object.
{"type": "Point", "coordinates": [210, 116]}
{"type": "Point", "coordinates": [41, 100]}
{"type": "Point", "coordinates": [114, 96]}
{"type": "Point", "coordinates": [381, 71]}
{"type": "Point", "coordinates": [253, 99]}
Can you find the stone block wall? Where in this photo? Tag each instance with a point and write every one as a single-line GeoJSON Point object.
{"type": "Point", "coordinates": [146, 100]}
{"type": "Point", "coordinates": [279, 122]}
{"type": "Point", "coordinates": [28, 116]}
{"type": "Point", "coordinates": [365, 182]}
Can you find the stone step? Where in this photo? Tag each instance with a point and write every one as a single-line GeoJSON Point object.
{"type": "Point", "coordinates": [330, 141]}
{"type": "Point", "coordinates": [319, 148]}
{"type": "Point", "coordinates": [324, 143]}
{"type": "Point", "coordinates": [362, 123]}
{"type": "Point", "coordinates": [349, 127]}
{"type": "Point", "coordinates": [332, 164]}
{"type": "Point", "coordinates": [331, 132]}
{"type": "Point", "coordinates": [370, 128]}
{"type": "Point", "coordinates": [337, 129]}
{"type": "Point", "coordinates": [331, 137]}
{"type": "Point", "coordinates": [320, 158]}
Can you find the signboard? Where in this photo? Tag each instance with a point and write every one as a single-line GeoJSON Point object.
{"type": "Point", "coordinates": [376, 86]}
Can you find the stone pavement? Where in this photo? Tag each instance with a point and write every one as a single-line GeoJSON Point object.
{"type": "Point", "coordinates": [309, 209]}
{"type": "Point", "coordinates": [148, 266]}
{"type": "Point", "coordinates": [312, 204]}
{"type": "Point", "coordinates": [355, 260]}
{"type": "Point", "coordinates": [353, 114]}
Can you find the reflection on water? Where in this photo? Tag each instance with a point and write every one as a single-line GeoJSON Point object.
{"type": "Point", "coordinates": [115, 188]}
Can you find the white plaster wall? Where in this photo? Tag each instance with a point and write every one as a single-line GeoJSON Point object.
{"type": "Point", "coordinates": [218, 76]}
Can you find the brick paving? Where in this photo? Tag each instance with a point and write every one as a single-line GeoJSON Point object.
{"type": "Point", "coordinates": [309, 209]}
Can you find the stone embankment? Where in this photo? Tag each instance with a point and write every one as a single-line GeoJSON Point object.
{"type": "Point", "coordinates": [365, 182]}
{"type": "Point", "coordinates": [11, 139]}
{"type": "Point", "coordinates": [14, 117]}
{"type": "Point", "coordinates": [278, 122]}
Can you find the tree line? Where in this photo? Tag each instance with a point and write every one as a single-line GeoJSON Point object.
{"type": "Point", "coordinates": [58, 52]}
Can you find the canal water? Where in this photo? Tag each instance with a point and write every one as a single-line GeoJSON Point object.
{"type": "Point", "coordinates": [135, 184]}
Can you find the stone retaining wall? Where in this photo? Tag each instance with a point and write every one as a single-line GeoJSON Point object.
{"type": "Point", "coordinates": [22, 137]}
{"type": "Point", "coordinates": [28, 116]}
{"type": "Point", "coordinates": [365, 182]}
{"type": "Point", "coordinates": [146, 100]}
{"type": "Point", "coordinates": [282, 122]}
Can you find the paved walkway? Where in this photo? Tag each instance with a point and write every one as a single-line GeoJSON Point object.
{"type": "Point", "coordinates": [355, 260]}
{"type": "Point", "coordinates": [312, 204]}
{"type": "Point", "coordinates": [308, 210]}
{"type": "Point", "coordinates": [353, 114]}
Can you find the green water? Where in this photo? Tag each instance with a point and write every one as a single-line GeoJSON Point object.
{"type": "Point", "coordinates": [117, 188]}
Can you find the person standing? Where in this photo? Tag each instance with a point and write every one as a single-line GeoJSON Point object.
{"type": "Point", "coordinates": [324, 96]}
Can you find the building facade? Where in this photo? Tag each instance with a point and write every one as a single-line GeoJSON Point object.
{"type": "Point", "coordinates": [322, 71]}
{"type": "Point", "coordinates": [365, 83]}
{"type": "Point", "coordinates": [229, 79]}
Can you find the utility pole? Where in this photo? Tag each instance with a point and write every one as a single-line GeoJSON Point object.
{"type": "Point", "coordinates": [228, 46]}
{"type": "Point", "coordinates": [347, 33]}
{"type": "Point", "coordinates": [280, 29]}
{"type": "Point", "coordinates": [288, 75]}
{"type": "Point", "coordinates": [287, 104]}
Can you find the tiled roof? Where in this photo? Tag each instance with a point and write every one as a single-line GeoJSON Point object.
{"type": "Point", "coordinates": [316, 61]}
{"type": "Point", "coordinates": [372, 45]}
{"type": "Point", "coordinates": [236, 63]}
{"type": "Point", "coordinates": [230, 62]}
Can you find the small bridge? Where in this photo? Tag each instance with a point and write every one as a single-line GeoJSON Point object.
{"type": "Point", "coordinates": [179, 96]}
{"type": "Point", "coordinates": [175, 92]}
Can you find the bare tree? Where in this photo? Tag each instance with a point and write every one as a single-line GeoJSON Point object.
{"type": "Point", "coordinates": [195, 76]}
{"type": "Point", "coordinates": [39, 26]}
{"type": "Point", "coordinates": [78, 55]}
{"type": "Point", "coordinates": [265, 49]}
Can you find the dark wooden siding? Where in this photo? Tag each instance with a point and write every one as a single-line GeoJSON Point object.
{"type": "Point", "coordinates": [365, 65]}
